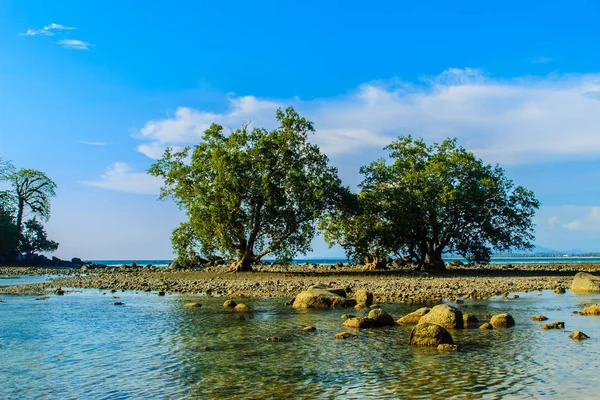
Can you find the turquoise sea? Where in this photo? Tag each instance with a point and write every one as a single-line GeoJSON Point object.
{"type": "Point", "coordinates": [82, 346]}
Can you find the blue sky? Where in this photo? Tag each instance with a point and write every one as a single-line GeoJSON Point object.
{"type": "Point", "coordinates": [91, 92]}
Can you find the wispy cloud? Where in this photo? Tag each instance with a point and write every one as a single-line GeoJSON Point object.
{"type": "Point", "coordinates": [589, 222]}
{"type": "Point", "coordinates": [48, 30]}
{"type": "Point", "coordinates": [518, 121]}
{"type": "Point", "coordinates": [75, 44]}
{"type": "Point", "coordinates": [121, 177]}
{"type": "Point", "coordinates": [94, 143]}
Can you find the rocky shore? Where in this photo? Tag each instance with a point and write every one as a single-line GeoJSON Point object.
{"type": "Point", "coordinates": [459, 282]}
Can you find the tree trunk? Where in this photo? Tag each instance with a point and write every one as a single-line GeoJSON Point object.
{"type": "Point", "coordinates": [21, 209]}
{"type": "Point", "coordinates": [435, 263]}
{"type": "Point", "coordinates": [375, 263]}
{"type": "Point", "coordinates": [243, 264]}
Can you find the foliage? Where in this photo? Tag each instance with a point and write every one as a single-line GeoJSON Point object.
{"type": "Point", "coordinates": [9, 233]}
{"type": "Point", "coordinates": [432, 200]}
{"type": "Point", "coordinates": [32, 191]}
{"type": "Point", "coordinates": [34, 238]}
{"type": "Point", "coordinates": [250, 193]}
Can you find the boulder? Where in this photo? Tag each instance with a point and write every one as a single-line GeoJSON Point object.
{"type": "Point", "coordinates": [592, 310]}
{"type": "Point", "coordinates": [554, 325]}
{"type": "Point", "coordinates": [381, 318]}
{"type": "Point", "coordinates": [363, 297]}
{"type": "Point", "coordinates": [193, 305]}
{"type": "Point", "coordinates": [346, 316]}
{"type": "Point", "coordinates": [560, 290]}
{"type": "Point", "coordinates": [358, 323]}
{"type": "Point", "coordinates": [429, 335]}
{"type": "Point", "coordinates": [241, 307]}
{"type": "Point", "coordinates": [413, 317]}
{"type": "Point", "coordinates": [585, 283]}
{"type": "Point", "coordinates": [444, 315]}
{"type": "Point", "coordinates": [502, 321]}
{"type": "Point", "coordinates": [486, 325]}
{"type": "Point", "coordinates": [309, 328]}
{"type": "Point", "coordinates": [578, 335]}
{"type": "Point", "coordinates": [322, 296]}
{"type": "Point", "coordinates": [229, 304]}
{"type": "Point", "coordinates": [76, 260]}
{"type": "Point", "coordinates": [470, 319]}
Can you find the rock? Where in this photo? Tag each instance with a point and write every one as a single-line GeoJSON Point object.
{"type": "Point", "coordinates": [161, 293]}
{"type": "Point", "coordinates": [274, 339]}
{"type": "Point", "coordinates": [174, 265]}
{"type": "Point", "coordinates": [339, 264]}
{"type": "Point", "coordinates": [76, 260]}
{"type": "Point", "coordinates": [309, 328]}
{"type": "Point", "coordinates": [363, 297]}
{"type": "Point", "coordinates": [193, 305]}
{"type": "Point", "coordinates": [229, 304]}
{"type": "Point", "coordinates": [448, 347]}
{"type": "Point", "coordinates": [502, 321]}
{"type": "Point", "coordinates": [470, 319]}
{"type": "Point", "coordinates": [560, 290]}
{"type": "Point", "coordinates": [539, 318]}
{"type": "Point", "coordinates": [83, 269]}
{"type": "Point", "coordinates": [592, 310]}
{"type": "Point", "coordinates": [59, 291]}
{"type": "Point", "coordinates": [413, 317]}
{"type": "Point", "coordinates": [346, 316]}
{"type": "Point", "coordinates": [343, 335]}
{"type": "Point", "coordinates": [585, 283]}
{"type": "Point", "coordinates": [578, 335]}
{"type": "Point", "coordinates": [444, 315]}
{"type": "Point", "coordinates": [42, 298]}
{"type": "Point", "coordinates": [358, 323]}
{"type": "Point", "coordinates": [578, 312]}
{"type": "Point", "coordinates": [381, 318]}
{"type": "Point", "coordinates": [486, 325]}
{"type": "Point", "coordinates": [429, 335]}
{"type": "Point", "coordinates": [241, 307]}
{"type": "Point", "coordinates": [118, 303]}
{"type": "Point", "coordinates": [204, 348]}
{"type": "Point", "coordinates": [322, 296]}
{"type": "Point", "coordinates": [554, 325]}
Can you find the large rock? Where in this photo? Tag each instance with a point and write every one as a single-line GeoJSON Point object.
{"type": "Point", "coordinates": [358, 323]}
{"type": "Point", "coordinates": [502, 321]}
{"type": "Point", "coordinates": [413, 317]}
{"type": "Point", "coordinates": [592, 310]}
{"type": "Point", "coordinates": [585, 283]}
{"type": "Point", "coordinates": [429, 335]}
{"type": "Point", "coordinates": [444, 315]}
{"type": "Point", "coordinates": [322, 296]}
{"type": "Point", "coordinates": [381, 318]}
{"type": "Point", "coordinates": [363, 298]}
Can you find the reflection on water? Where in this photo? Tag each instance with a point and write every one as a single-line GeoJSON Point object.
{"type": "Point", "coordinates": [82, 346]}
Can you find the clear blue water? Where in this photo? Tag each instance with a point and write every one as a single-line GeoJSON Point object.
{"type": "Point", "coordinates": [9, 280]}
{"type": "Point", "coordinates": [499, 260]}
{"type": "Point", "coordinates": [81, 345]}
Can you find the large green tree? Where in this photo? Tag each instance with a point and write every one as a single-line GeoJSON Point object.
{"type": "Point", "coordinates": [250, 193]}
{"type": "Point", "coordinates": [436, 199]}
{"type": "Point", "coordinates": [32, 191]}
{"type": "Point", "coordinates": [34, 238]}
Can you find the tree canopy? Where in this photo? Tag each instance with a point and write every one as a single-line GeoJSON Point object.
{"type": "Point", "coordinates": [251, 193]}
{"type": "Point", "coordinates": [32, 191]}
{"type": "Point", "coordinates": [428, 200]}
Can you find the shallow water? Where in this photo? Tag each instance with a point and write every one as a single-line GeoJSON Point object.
{"type": "Point", "coordinates": [80, 345]}
{"type": "Point", "coordinates": [9, 280]}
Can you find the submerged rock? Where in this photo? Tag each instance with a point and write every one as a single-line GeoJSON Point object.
{"type": "Point", "coordinates": [486, 325]}
{"type": "Point", "coordinates": [229, 304]}
{"type": "Point", "coordinates": [578, 335]}
{"type": "Point", "coordinates": [413, 317]}
{"type": "Point", "coordinates": [539, 318]}
{"type": "Point", "coordinates": [309, 328]}
{"type": "Point", "coordinates": [554, 325]}
{"type": "Point", "coordinates": [470, 319]}
{"type": "Point", "coordinates": [322, 296]}
{"type": "Point", "coordinates": [502, 321]}
{"type": "Point", "coordinates": [274, 339]}
{"type": "Point", "coordinates": [585, 283]}
{"type": "Point", "coordinates": [343, 335]}
{"type": "Point", "coordinates": [448, 347]}
{"type": "Point", "coordinates": [429, 335]}
{"type": "Point", "coordinates": [193, 305]}
{"type": "Point", "coordinates": [444, 315]}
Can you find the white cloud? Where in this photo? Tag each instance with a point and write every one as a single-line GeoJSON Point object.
{"type": "Point", "coordinates": [121, 177]}
{"type": "Point", "coordinates": [48, 30]}
{"type": "Point", "coordinates": [516, 121]}
{"type": "Point", "coordinates": [589, 222]}
{"type": "Point", "coordinates": [75, 44]}
{"type": "Point", "coordinates": [552, 221]}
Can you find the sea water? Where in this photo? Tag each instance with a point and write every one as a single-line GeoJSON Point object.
{"type": "Point", "coordinates": [81, 345]}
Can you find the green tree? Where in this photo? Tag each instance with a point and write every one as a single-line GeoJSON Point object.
{"type": "Point", "coordinates": [31, 192]}
{"type": "Point", "coordinates": [34, 238]}
{"type": "Point", "coordinates": [250, 193]}
{"type": "Point", "coordinates": [9, 233]}
{"type": "Point", "coordinates": [440, 198]}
